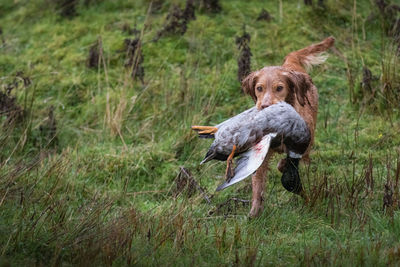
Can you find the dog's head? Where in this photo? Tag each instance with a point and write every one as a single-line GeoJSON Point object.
{"type": "Point", "coordinates": [272, 85]}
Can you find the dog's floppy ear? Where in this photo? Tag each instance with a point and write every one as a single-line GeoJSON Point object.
{"type": "Point", "coordinates": [299, 84]}
{"type": "Point", "coordinates": [248, 85]}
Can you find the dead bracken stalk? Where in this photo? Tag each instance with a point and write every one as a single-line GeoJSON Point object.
{"type": "Point", "coordinates": [95, 54]}
{"type": "Point", "coordinates": [366, 80]}
{"type": "Point", "coordinates": [2, 36]}
{"type": "Point", "coordinates": [368, 86]}
{"type": "Point", "coordinates": [388, 12]}
{"type": "Point", "coordinates": [211, 6]}
{"type": "Point", "coordinates": [177, 20]}
{"type": "Point", "coordinates": [131, 31]}
{"type": "Point", "coordinates": [48, 130]}
{"type": "Point", "coordinates": [189, 11]}
{"type": "Point", "coordinates": [308, 2]}
{"type": "Point", "coordinates": [264, 15]}
{"type": "Point", "coordinates": [156, 6]}
{"type": "Point", "coordinates": [133, 48]}
{"type": "Point", "coordinates": [244, 60]}
{"type": "Point", "coordinates": [185, 182]}
{"type": "Point", "coordinates": [369, 176]}
{"type": "Point", "coordinates": [230, 206]}
{"type": "Point", "coordinates": [388, 196]}
{"type": "Point", "coordinates": [67, 8]}
{"type": "Point", "coordinates": [8, 102]}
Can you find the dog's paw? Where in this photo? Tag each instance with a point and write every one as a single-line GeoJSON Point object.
{"type": "Point", "coordinates": [256, 210]}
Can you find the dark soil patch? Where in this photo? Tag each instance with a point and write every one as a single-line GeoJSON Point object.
{"type": "Point", "coordinates": [264, 15]}
{"type": "Point", "coordinates": [177, 20]}
{"type": "Point", "coordinates": [244, 60]}
{"type": "Point", "coordinates": [134, 60]}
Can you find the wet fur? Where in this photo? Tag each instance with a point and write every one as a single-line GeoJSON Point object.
{"type": "Point", "coordinates": [292, 84]}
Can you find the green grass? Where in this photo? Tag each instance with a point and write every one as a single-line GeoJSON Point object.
{"type": "Point", "coordinates": [104, 193]}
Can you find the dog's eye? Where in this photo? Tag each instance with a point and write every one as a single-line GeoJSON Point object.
{"type": "Point", "coordinates": [279, 88]}
{"type": "Point", "coordinates": [259, 88]}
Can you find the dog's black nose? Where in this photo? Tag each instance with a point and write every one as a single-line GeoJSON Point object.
{"type": "Point", "coordinates": [264, 106]}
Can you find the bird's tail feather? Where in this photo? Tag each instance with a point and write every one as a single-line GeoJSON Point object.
{"type": "Point", "coordinates": [250, 161]}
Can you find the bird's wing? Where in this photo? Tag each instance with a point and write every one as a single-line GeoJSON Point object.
{"type": "Point", "coordinates": [250, 161]}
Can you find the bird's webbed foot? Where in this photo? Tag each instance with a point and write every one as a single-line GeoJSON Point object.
{"type": "Point", "coordinates": [229, 173]}
{"type": "Point", "coordinates": [290, 176]}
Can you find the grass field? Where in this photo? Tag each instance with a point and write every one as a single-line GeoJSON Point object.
{"type": "Point", "coordinates": [90, 156]}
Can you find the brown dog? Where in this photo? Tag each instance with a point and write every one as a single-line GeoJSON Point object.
{"type": "Point", "coordinates": [290, 83]}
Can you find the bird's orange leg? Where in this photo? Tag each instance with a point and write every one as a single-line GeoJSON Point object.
{"type": "Point", "coordinates": [205, 129]}
{"type": "Point", "coordinates": [229, 173]}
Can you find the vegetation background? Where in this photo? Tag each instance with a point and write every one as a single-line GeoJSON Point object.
{"type": "Point", "coordinates": [98, 165]}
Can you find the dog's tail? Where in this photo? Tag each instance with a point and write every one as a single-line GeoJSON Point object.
{"type": "Point", "coordinates": [302, 60]}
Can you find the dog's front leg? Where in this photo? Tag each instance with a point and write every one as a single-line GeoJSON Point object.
{"type": "Point", "coordinates": [258, 185]}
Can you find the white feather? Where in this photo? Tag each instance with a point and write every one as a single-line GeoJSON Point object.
{"type": "Point", "coordinates": [250, 161]}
